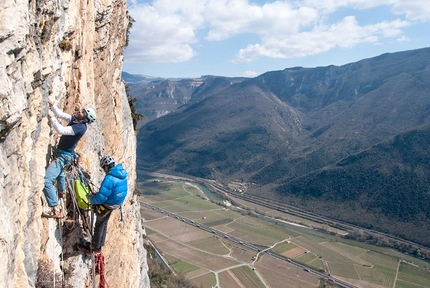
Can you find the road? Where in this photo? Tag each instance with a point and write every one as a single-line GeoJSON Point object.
{"type": "Point", "coordinates": [248, 245]}
{"type": "Point", "coordinates": [305, 214]}
{"type": "Point", "coordinates": [286, 208]}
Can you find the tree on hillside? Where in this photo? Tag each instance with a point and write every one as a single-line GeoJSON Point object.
{"type": "Point", "coordinates": [134, 115]}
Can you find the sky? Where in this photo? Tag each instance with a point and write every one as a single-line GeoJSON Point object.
{"type": "Point", "coordinates": [241, 38]}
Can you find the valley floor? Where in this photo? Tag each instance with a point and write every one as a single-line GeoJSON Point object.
{"type": "Point", "coordinates": [226, 246]}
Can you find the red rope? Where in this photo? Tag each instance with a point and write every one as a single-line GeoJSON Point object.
{"type": "Point", "coordinates": [100, 269]}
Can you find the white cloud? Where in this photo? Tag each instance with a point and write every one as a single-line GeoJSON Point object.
{"type": "Point", "coordinates": [162, 33]}
{"type": "Point", "coordinates": [166, 30]}
{"type": "Point", "coordinates": [345, 34]}
{"type": "Point", "coordinates": [229, 18]}
{"type": "Point", "coordinates": [329, 6]}
{"type": "Point", "coordinates": [416, 10]}
{"type": "Point", "coordinates": [251, 73]}
{"type": "Point", "coordinates": [403, 39]}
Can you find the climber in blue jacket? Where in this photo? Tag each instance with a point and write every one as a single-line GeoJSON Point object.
{"type": "Point", "coordinates": [111, 195]}
{"type": "Point", "coordinates": [114, 186]}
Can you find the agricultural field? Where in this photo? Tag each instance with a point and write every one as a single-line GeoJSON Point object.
{"type": "Point", "coordinates": [242, 276]}
{"type": "Point", "coordinates": [277, 274]}
{"type": "Point", "coordinates": [204, 280]}
{"type": "Point", "coordinates": [201, 240]}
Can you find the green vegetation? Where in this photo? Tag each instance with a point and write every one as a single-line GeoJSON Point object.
{"type": "Point", "coordinates": [403, 284]}
{"type": "Point", "coordinates": [394, 193]}
{"type": "Point", "coordinates": [258, 231]}
{"type": "Point", "coordinates": [384, 270]}
{"type": "Point", "coordinates": [282, 247]}
{"type": "Point", "coordinates": [340, 257]}
{"type": "Point", "coordinates": [410, 274]}
{"type": "Point", "coordinates": [46, 30]}
{"type": "Point", "coordinates": [130, 25]}
{"type": "Point", "coordinates": [183, 267]}
{"type": "Point", "coordinates": [149, 231]}
{"type": "Point", "coordinates": [161, 277]}
{"type": "Point", "coordinates": [348, 142]}
{"type": "Point", "coordinates": [206, 280]}
{"type": "Point", "coordinates": [247, 277]}
{"type": "Point", "coordinates": [211, 244]}
{"type": "Point", "coordinates": [135, 116]}
{"type": "Point", "coordinates": [310, 260]}
{"type": "Point", "coordinates": [65, 45]}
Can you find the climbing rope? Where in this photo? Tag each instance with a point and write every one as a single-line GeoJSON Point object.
{"type": "Point", "coordinates": [74, 172]}
{"type": "Point", "coordinates": [71, 173]}
{"type": "Point", "coordinates": [100, 269]}
{"type": "Point", "coordinates": [61, 245]}
{"type": "Point", "coordinates": [92, 254]}
{"type": "Point", "coordinates": [122, 220]}
{"type": "Point", "coordinates": [53, 264]}
{"type": "Point", "coordinates": [69, 188]}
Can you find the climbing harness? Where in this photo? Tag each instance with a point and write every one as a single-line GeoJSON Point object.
{"type": "Point", "coordinates": [102, 210]}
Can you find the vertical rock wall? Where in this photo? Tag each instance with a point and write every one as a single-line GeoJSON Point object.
{"type": "Point", "coordinates": [69, 52]}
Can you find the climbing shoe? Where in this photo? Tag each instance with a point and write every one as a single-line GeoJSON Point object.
{"type": "Point", "coordinates": [61, 194]}
{"type": "Point", "coordinates": [83, 248]}
{"type": "Point", "coordinates": [52, 214]}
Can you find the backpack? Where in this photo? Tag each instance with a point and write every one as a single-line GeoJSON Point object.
{"type": "Point", "coordinates": [81, 194]}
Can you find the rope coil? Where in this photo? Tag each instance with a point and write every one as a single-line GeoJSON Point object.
{"type": "Point", "coordinates": [100, 269]}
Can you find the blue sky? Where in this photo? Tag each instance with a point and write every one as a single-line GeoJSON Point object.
{"type": "Point", "coordinates": [241, 38]}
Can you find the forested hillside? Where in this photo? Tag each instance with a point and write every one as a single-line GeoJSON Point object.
{"type": "Point", "coordinates": [349, 142]}
{"type": "Point", "coordinates": [385, 187]}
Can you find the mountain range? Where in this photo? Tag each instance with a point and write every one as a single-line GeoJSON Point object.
{"type": "Point", "coordinates": [348, 142]}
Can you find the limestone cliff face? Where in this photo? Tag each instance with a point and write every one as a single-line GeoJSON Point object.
{"type": "Point", "coordinates": [68, 51]}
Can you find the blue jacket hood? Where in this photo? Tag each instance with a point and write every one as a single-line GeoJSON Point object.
{"type": "Point", "coordinates": [113, 189]}
{"type": "Point", "coordinates": [118, 171]}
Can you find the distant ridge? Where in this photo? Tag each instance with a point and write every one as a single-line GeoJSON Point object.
{"type": "Point", "coordinates": [136, 78]}
{"type": "Point", "coordinates": [295, 134]}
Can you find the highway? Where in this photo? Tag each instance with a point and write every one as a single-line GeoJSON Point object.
{"type": "Point", "coordinates": [286, 208]}
{"type": "Point", "coordinates": [249, 245]}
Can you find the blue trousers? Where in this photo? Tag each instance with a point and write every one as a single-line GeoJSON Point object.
{"type": "Point", "coordinates": [54, 172]}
